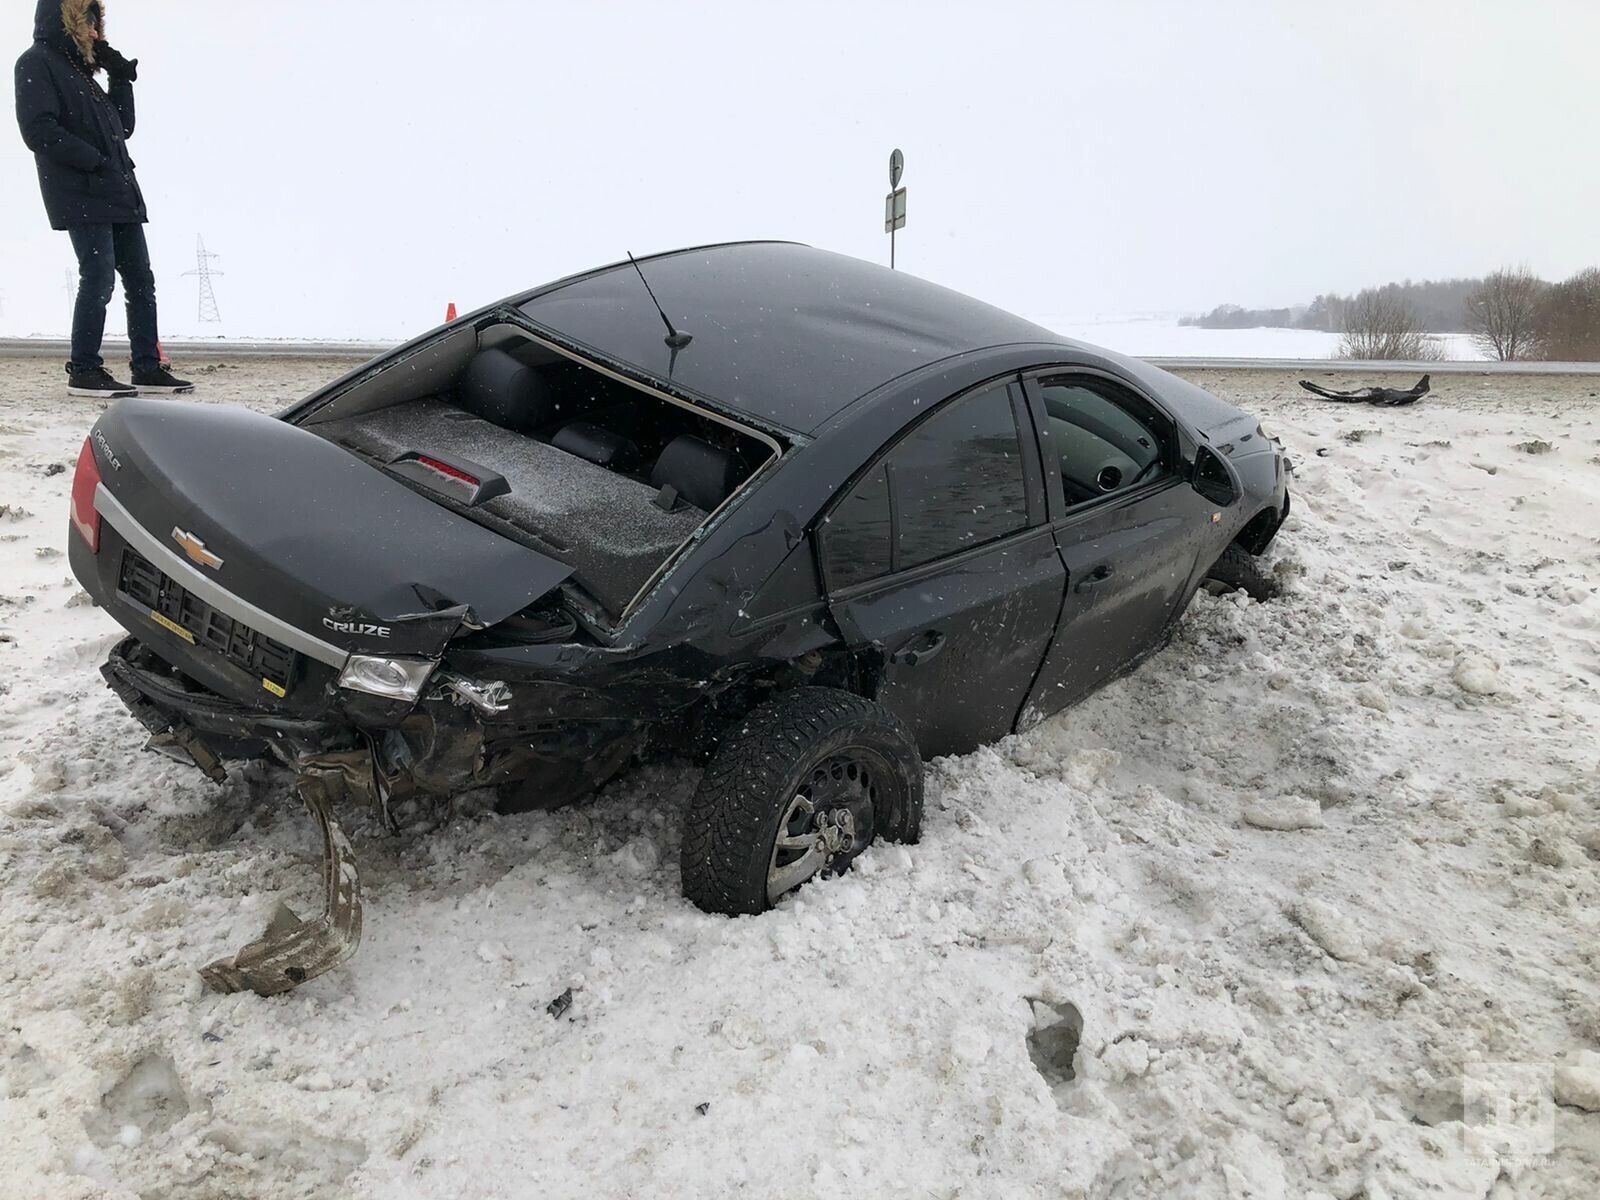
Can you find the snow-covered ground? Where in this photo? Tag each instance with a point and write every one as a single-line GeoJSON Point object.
{"type": "Point", "coordinates": [1308, 880]}
{"type": "Point", "coordinates": [1164, 337]}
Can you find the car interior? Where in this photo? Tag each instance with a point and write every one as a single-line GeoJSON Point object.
{"type": "Point", "coordinates": [1103, 446]}
{"type": "Point", "coordinates": [608, 478]}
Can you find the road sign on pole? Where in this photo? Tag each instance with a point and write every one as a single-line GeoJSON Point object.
{"type": "Point", "coordinates": [894, 204]}
{"type": "Point", "coordinates": [894, 210]}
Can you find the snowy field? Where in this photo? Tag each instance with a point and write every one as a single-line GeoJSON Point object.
{"type": "Point", "coordinates": [1164, 337]}
{"type": "Point", "coordinates": [1309, 880]}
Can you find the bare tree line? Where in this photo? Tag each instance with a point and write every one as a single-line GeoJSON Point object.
{"type": "Point", "coordinates": [1379, 323]}
{"type": "Point", "coordinates": [1440, 303]}
{"type": "Point", "coordinates": [1566, 319]}
{"type": "Point", "coordinates": [1502, 314]}
{"type": "Point", "coordinates": [1511, 315]}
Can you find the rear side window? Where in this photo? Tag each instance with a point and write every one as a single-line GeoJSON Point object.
{"type": "Point", "coordinates": [856, 537]}
{"type": "Point", "coordinates": [955, 482]}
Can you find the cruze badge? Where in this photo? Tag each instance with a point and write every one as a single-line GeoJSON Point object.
{"type": "Point", "coordinates": [195, 549]}
{"type": "Point", "coordinates": [356, 627]}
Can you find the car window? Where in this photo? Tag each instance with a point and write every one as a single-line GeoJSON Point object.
{"type": "Point", "coordinates": [956, 481]}
{"type": "Point", "coordinates": [1106, 438]}
{"type": "Point", "coordinates": [855, 538]}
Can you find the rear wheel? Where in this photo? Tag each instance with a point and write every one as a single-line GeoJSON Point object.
{"type": "Point", "coordinates": [798, 788]}
{"type": "Point", "coordinates": [1240, 571]}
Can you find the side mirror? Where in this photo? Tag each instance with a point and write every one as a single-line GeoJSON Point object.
{"type": "Point", "coordinates": [1211, 478]}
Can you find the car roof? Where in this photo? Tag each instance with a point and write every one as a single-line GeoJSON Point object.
{"type": "Point", "coordinates": [784, 333]}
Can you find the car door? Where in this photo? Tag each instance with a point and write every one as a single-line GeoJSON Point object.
{"type": "Point", "coordinates": [940, 557]}
{"type": "Point", "coordinates": [1128, 527]}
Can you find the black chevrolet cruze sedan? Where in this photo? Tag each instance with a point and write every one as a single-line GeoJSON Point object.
{"type": "Point", "coordinates": [806, 518]}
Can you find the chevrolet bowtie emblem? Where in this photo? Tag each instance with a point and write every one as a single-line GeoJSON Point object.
{"type": "Point", "coordinates": [195, 549]}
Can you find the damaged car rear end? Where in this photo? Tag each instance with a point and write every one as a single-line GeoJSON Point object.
{"type": "Point", "coordinates": [285, 597]}
{"type": "Point", "coordinates": [352, 581]}
{"type": "Point", "coordinates": [416, 585]}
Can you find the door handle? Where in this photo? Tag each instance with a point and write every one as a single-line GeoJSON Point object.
{"type": "Point", "coordinates": [919, 649]}
{"type": "Point", "coordinates": [1095, 578]}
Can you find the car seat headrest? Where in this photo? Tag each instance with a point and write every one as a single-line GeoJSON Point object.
{"type": "Point", "coordinates": [601, 446]}
{"type": "Point", "coordinates": [502, 390]}
{"type": "Point", "coordinates": [701, 473]}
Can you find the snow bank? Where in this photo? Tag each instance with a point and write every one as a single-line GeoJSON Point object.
{"type": "Point", "coordinates": [1091, 979]}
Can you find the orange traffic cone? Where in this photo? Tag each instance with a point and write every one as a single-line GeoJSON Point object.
{"type": "Point", "coordinates": [162, 355]}
{"type": "Point", "coordinates": [450, 313]}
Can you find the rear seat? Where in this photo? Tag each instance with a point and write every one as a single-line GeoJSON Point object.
{"type": "Point", "coordinates": [600, 446]}
{"type": "Point", "coordinates": [701, 473]}
{"type": "Point", "coordinates": [600, 523]}
{"type": "Point", "coordinates": [506, 392]}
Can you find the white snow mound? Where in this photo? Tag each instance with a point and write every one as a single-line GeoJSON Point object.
{"type": "Point", "coordinates": [1283, 812]}
{"type": "Point", "coordinates": [1331, 929]}
{"type": "Point", "coordinates": [1477, 674]}
{"type": "Point", "coordinates": [1578, 1084]}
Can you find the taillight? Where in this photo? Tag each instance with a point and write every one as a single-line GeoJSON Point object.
{"type": "Point", "coordinates": [84, 517]}
{"type": "Point", "coordinates": [449, 472]}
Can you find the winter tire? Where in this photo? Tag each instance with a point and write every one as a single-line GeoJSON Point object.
{"type": "Point", "coordinates": [1239, 571]}
{"type": "Point", "coordinates": [798, 788]}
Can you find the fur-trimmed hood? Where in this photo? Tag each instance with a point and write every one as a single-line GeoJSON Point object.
{"type": "Point", "coordinates": [67, 26]}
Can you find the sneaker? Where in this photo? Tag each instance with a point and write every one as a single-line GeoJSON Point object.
{"type": "Point", "coordinates": [98, 384]}
{"type": "Point", "coordinates": [161, 382]}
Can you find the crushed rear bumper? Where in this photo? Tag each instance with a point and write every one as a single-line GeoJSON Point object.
{"type": "Point", "coordinates": [202, 724]}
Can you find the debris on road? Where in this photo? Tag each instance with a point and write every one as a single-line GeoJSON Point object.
{"type": "Point", "coordinates": [1390, 397]}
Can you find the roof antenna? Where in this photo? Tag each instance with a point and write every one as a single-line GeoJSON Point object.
{"type": "Point", "coordinates": [676, 339]}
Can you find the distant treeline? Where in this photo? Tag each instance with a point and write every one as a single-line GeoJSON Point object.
{"type": "Point", "coordinates": [1511, 314]}
{"type": "Point", "coordinates": [1440, 306]}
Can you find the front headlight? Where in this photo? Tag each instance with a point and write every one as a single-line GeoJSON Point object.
{"type": "Point", "coordinates": [396, 678]}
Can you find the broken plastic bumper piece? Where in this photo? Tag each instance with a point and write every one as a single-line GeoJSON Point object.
{"type": "Point", "coordinates": [293, 951]}
{"type": "Point", "coordinates": [181, 744]}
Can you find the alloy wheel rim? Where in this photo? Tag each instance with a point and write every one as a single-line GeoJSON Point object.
{"type": "Point", "coordinates": [829, 820]}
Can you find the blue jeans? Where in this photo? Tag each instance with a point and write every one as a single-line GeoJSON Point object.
{"type": "Point", "coordinates": [104, 252]}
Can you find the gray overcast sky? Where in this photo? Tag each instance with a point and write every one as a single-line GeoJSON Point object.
{"type": "Point", "coordinates": [357, 165]}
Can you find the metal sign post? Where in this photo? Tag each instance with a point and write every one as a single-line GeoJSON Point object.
{"type": "Point", "coordinates": [894, 204]}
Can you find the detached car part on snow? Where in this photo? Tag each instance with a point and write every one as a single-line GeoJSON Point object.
{"type": "Point", "coordinates": [844, 521]}
{"type": "Point", "coordinates": [1388, 397]}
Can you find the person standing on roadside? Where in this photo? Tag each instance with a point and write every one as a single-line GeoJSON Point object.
{"type": "Point", "coordinates": [78, 133]}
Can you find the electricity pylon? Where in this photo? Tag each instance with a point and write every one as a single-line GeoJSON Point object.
{"type": "Point", "coordinates": [208, 298]}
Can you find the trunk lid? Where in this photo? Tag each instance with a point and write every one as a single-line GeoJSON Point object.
{"type": "Point", "coordinates": [269, 519]}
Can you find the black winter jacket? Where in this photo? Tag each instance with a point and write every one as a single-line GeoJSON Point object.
{"type": "Point", "coordinates": [77, 131]}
